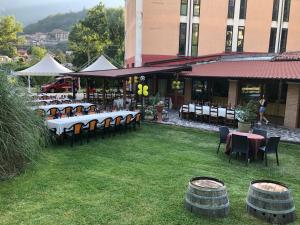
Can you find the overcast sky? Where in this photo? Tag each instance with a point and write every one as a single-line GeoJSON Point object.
{"type": "Point", "coordinates": [30, 11]}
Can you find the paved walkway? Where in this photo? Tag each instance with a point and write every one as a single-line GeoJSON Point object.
{"type": "Point", "coordinates": [289, 135]}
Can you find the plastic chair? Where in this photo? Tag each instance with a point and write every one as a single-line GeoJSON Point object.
{"type": "Point", "coordinates": [240, 144]}
{"type": "Point", "coordinates": [271, 147]}
{"type": "Point", "coordinates": [223, 133]}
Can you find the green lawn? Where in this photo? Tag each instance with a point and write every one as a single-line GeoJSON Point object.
{"type": "Point", "coordinates": [136, 178]}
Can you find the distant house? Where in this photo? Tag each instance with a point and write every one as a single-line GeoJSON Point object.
{"type": "Point", "coordinates": [4, 59]}
{"type": "Point", "coordinates": [58, 35]}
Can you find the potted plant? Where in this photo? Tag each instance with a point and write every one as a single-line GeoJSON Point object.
{"type": "Point", "coordinates": [149, 113]}
{"type": "Point", "coordinates": [246, 114]}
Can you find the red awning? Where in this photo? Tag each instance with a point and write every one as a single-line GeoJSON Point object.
{"type": "Point", "coordinates": [247, 69]}
{"type": "Point", "coordinates": [137, 71]}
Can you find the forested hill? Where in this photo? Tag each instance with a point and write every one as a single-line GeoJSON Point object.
{"type": "Point", "coordinates": [58, 21]}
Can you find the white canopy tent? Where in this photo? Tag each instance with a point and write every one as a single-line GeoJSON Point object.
{"type": "Point", "coordinates": [100, 64]}
{"type": "Point", "coordinates": [48, 66]}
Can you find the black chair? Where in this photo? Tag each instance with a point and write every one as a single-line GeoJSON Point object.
{"type": "Point", "coordinates": [185, 111]}
{"type": "Point", "coordinates": [91, 128]}
{"type": "Point", "coordinates": [230, 119]}
{"type": "Point", "coordinates": [262, 133]}
{"type": "Point", "coordinates": [213, 114]}
{"type": "Point", "coordinates": [223, 132]}
{"type": "Point", "coordinates": [75, 131]}
{"type": "Point", "coordinates": [199, 112]}
{"type": "Point", "coordinates": [271, 147]}
{"type": "Point", "coordinates": [240, 144]}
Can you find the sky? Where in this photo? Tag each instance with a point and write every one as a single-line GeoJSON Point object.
{"type": "Point", "coordinates": [30, 11]}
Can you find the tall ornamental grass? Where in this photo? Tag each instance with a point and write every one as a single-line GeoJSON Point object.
{"type": "Point", "coordinates": [21, 131]}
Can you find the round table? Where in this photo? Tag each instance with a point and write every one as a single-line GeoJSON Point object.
{"type": "Point", "coordinates": [254, 141]}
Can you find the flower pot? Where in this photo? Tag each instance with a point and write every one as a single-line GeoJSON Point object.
{"type": "Point", "coordinates": [159, 109]}
{"type": "Point", "coordinates": [149, 117]}
{"type": "Point", "coordinates": [244, 126]}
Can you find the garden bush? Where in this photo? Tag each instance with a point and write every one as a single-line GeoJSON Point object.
{"type": "Point", "coordinates": [21, 131]}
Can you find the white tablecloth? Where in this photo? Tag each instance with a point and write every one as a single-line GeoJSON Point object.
{"type": "Point", "coordinates": [61, 124]}
{"type": "Point", "coordinates": [61, 106]}
{"type": "Point", "coordinates": [119, 102]}
{"type": "Point", "coordinates": [206, 110]}
{"type": "Point", "coordinates": [50, 100]}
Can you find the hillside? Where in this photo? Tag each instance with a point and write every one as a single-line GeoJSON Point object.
{"type": "Point", "coordinates": [58, 21]}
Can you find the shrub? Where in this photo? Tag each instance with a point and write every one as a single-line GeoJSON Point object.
{"type": "Point", "coordinates": [21, 131]}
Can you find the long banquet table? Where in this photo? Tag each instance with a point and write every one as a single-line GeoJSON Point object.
{"type": "Point", "coordinates": [206, 110]}
{"type": "Point", "coordinates": [61, 124]}
{"type": "Point", "coordinates": [61, 106]}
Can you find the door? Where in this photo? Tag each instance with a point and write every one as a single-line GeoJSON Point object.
{"type": "Point", "coordinates": [162, 86]}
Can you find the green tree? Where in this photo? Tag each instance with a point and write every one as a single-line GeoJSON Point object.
{"type": "Point", "coordinates": [9, 39]}
{"type": "Point", "coordinates": [37, 52]}
{"type": "Point", "coordinates": [89, 37]}
{"type": "Point", "coordinates": [115, 19]}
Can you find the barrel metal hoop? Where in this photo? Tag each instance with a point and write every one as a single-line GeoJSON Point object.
{"type": "Point", "coordinates": [207, 207]}
{"type": "Point", "coordinates": [272, 200]}
{"type": "Point", "coordinates": [203, 197]}
{"type": "Point", "coordinates": [208, 190]}
{"type": "Point", "coordinates": [271, 211]}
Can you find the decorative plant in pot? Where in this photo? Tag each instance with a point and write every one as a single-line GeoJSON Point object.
{"type": "Point", "coordinates": [246, 114]}
{"type": "Point", "coordinates": [149, 113]}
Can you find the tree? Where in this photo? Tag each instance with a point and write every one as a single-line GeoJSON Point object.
{"type": "Point", "coordinates": [9, 39]}
{"type": "Point", "coordinates": [115, 19]}
{"type": "Point", "coordinates": [37, 52]}
{"type": "Point", "coordinates": [89, 37]}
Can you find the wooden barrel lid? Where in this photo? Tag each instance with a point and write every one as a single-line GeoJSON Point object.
{"type": "Point", "coordinates": [206, 182]}
{"type": "Point", "coordinates": [270, 186]}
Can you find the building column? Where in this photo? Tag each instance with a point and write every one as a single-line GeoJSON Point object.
{"type": "Point", "coordinates": [154, 85]}
{"type": "Point", "coordinates": [292, 105]}
{"type": "Point", "coordinates": [187, 90]}
{"type": "Point", "coordinates": [233, 92]}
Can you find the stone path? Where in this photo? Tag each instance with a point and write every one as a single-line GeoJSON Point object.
{"type": "Point", "coordinates": [289, 135]}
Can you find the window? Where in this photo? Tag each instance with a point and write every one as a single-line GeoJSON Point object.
{"type": "Point", "coordinates": [228, 44]}
{"type": "Point", "coordinates": [182, 38]}
{"type": "Point", "coordinates": [231, 4]}
{"type": "Point", "coordinates": [240, 40]}
{"type": "Point", "coordinates": [196, 10]}
{"type": "Point", "coordinates": [272, 42]}
{"type": "Point", "coordinates": [275, 10]}
{"type": "Point", "coordinates": [283, 41]}
{"type": "Point", "coordinates": [184, 7]}
{"type": "Point", "coordinates": [243, 9]}
{"type": "Point", "coordinates": [195, 38]}
{"type": "Point", "coordinates": [286, 13]}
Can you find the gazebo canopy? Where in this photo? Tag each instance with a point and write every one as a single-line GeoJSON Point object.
{"type": "Point", "coordinates": [48, 66]}
{"type": "Point", "coordinates": [100, 64]}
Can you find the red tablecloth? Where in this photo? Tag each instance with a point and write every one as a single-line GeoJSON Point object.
{"type": "Point", "coordinates": [254, 141]}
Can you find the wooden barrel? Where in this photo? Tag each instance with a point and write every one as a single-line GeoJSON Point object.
{"type": "Point", "coordinates": [207, 196]}
{"type": "Point", "coordinates": [271, 201]}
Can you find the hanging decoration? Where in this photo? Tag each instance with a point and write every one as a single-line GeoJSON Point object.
{"type": "Point", "coordinates": [176, 84]}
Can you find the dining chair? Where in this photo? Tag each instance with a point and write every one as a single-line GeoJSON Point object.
{"type": "Point", "coordinates": [91, 128]}
{"type": "Point", "coordinates": [137, 120]}
{"type": "Point", "coordinates": [105, 126]}
{"type": "Point", "coordinates": [271, 148]}
{"type": "Point", "coordinates": [213, 114]}
{"type": "Point", "coordinates": [117, 125]}
{"type": "Point", "coordinates": [185, 111]}
{"type": "Point", "coordinates": [91, 109]}
{"type": "Point", "coordinates": [79, 110]}
{"type": "Point", "coordinates": [230, 119]}
{"type": "Point", "coordinates": [199, 112]}
{"type": "Point", "coordinates": [239, 144]}
{"type": "Point", "coordinates": [128, 122]}
{"type": "Point", "coordinates": [223, 133]}
{"type": "Point", "coordinates": [74, 132]}
{"type": "Point", "coordinates": [53, 112]}
{"type": "Point", "coordinates": [67, 111]}
{"type": "Point", "coordinates": [262, 133]}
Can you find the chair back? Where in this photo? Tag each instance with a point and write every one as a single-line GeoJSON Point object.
{"type": "Point", "coordinates": [53, 111]}
{"type": "Point", "coordinates": [92, 125]}
{"type": "Point", "coordinates": [79, 109]}
{"type": "Point", "coordinates": [68, 110]}
{"type": "Point", "coordinates": [106, 122]}
{"type": "Point", "coordinates": [230, 114]}
{"type": "Point", "coordinates": [272, 145]}
{"type": "Point", "coordinates": [198, 110]}
{"type": "Point", "coordinates": [40, 112]}
{"type": "Point", "coordinates": [55, 102]}
{"type": "Point", "coordinates": [118, 120]}
{"type": "Point", "coordinates": [213, 111]}
{"type": "Point", "coordinates": [128, 119]}
{"type": "Point", "coordinates": [66, 101]}
{"type": "Point", "coordinates": [260, 132]}
{"type": "Point", "coordinates": [223, 132]}
{"type": "Point", "coordinates": [77, 128]}
{"type": "Point", "coordinates": [185, 108]}
{"type": "Point", "coordinates": [92, 108]}
{"type": "Point", "coordinates": [138, 117]}
{"type": "Point", "coordinates": [240, 143]}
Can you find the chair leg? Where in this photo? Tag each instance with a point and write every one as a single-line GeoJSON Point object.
{"type": "Point", "coordinates": [266, 159]}
{"type": "Point", "coordinates": [218, 147]}
{"type": "Point", "coordinates": [72, 141]}
{"type": "Point", "coordinates": [230, 157]}
{"type": "Point", "coordinates": [277, 159]}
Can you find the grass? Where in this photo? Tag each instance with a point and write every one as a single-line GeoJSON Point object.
{"type": "Point", "coordinates": [136, 178]}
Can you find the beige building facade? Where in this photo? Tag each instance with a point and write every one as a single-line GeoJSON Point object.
{"type": "Point", "coordinates": [164, 29]}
